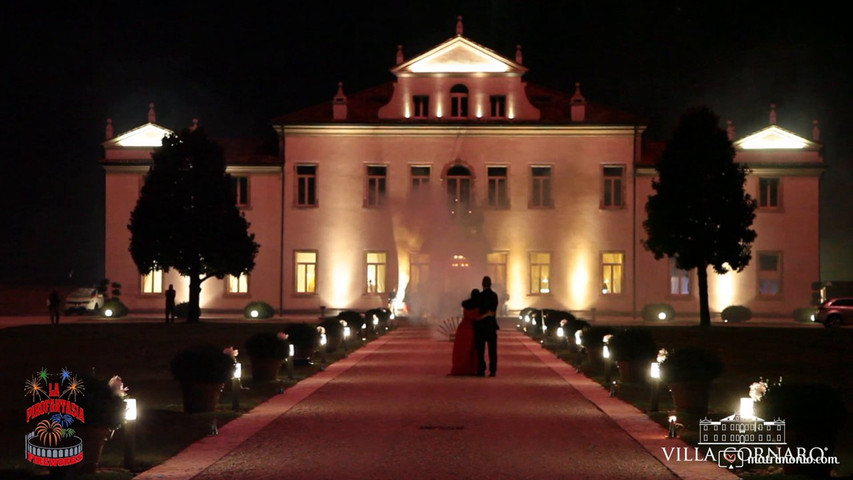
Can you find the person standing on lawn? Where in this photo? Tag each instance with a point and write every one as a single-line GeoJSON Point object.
{"type": "Point", "coordinates": [170, 304]}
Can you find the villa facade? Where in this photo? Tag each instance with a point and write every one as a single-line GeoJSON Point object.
{"type": "Point", "coordinates": [413, 190]}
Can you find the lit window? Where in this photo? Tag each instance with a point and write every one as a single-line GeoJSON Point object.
{"type": "Point", "coordinates": [238, 283]}
{"type": "Point", "coordinates": [498, 195]}
{"type": "Point", "coordinates": [540, 273]}
{"type": "Point", "coordinates": [612, 191]}
{"type": "Point", "coordinates": [418, 270]}
{"type": "Point", "coordinates": [612, 265]}
{"type": "Point", "coordinates": [420, 177]}
{"type": "Point", "coordinates": [496, 267]}
{"type": "Point", "coordinates": [458, 181]}
{"type": "Point", "coordinates": [306, 271]}
{"type": "Point", "coordinates": [459, 101]}
{"type": "Point", "coordinates": [376, 265]}
{"type": "Point", "coordinates": [769, 273]}
{"type": "Point", "coordinates": [376, 178]}
{"type": "Point", "coordinates": [306, 185]}
{"type": "Point", "coordinates": [769, 193]}
{"type": "Point", "coordinates": [540, 192]}
{"type": "Point", "coordinates": [679, 280]}
{"type": "Point", "coordinates": [152, 282]}
{"type": "Point", "coordinates": [498, 106]}
{"type": "Point", "coordinates": [421, 106]}
{"type": "Point", "coordinates": [240, 190]}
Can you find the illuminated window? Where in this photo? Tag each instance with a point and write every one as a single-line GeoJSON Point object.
{"type": "Point", "coordinates": [458, 181]}
{"type": "Point", "coordinates": [376, 178]}
{"type": "Point", "coordinates": [496, 268]}
{"type": "Point", "coordinates": [498, 195]}
{"type": "Point", "coordinates": [612, 269]}
{"type": "Point", "coordinates": [238, 284]}
{"type": "Point", "coordinates": [421, 106]}
{"type": "Point", "coordinates": [769, 194]}
{"type": "Point", "coordinates": [769, 273]}
{"type": "Point", "coordinates": [376, 266]}
{"type": "Point", "coordinates": [418, 270]}
{"type": "Point", "coordinates": [306, 271]}
{"type": "Point", "coordinates": [679, 280]}
{"type": "Point", "coordinates": [240, 190]}
{"type": "Point", "coordinates": [540, 273]}
{"type": "Point", "coordinates": [612, 191]}
{"type": "Point", "coordinates": [306, 185]}
{"type": "Point", "coordinates": [540, 190]}
{"type": "Point", "coordinates": [459, 101]}
{"type": "Point", "coordinates": [152, 282]}
{"type": "Point", "coordinates": [498, 106]}
{"type": "Point", "coordinates": [420, 177]}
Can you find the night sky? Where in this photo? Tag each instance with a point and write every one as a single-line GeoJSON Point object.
{"type": "Point", "coordinates": [69, 68]}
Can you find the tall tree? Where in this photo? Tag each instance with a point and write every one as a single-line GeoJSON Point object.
{"type": "Point", "coordinates": [700, 214]}
{"type": "Point", "coordinates": [186, 217]}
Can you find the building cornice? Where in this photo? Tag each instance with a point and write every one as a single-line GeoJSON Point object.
{"type": "Point", "coordinates": [456, 130]}
{"type": "Point", "coordinates": [144, 167]}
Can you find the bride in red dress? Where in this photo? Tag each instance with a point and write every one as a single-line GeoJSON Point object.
{"type": "Point", "coordinates": [464, 350]}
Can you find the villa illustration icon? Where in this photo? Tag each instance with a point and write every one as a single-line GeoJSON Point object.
{"type": "Point", "coordinates": [735, 429]}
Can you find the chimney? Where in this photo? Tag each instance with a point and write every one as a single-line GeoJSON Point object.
{"type": "Point", "coordinates": [730, 130]}
{"type": "Point", "coordinates": [109, 130]}
{"type": "Point", "coordinates": [518, 57]}
{"type": "Point", "coordinates": [339, 104]}
{"type": "Point", "coordinates": [459, 25]}
{"type": "Point", "coordinates": [399, 54]}
{"type": "Point", "coordinates": [772, 114]}
{"type": "Point", "coordinates": [578, 105]}
{"type": "Point", "coordinates": [815, 131]}
{"type": "Point", "coordinates": [152, 117]}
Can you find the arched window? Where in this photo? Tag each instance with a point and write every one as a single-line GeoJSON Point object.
{"type": "Point", "coordinates": [458, 181]}
{"type": "Point", "coordinates": [459, 101]}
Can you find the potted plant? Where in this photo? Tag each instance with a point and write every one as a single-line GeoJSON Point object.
{"type": "Point", "coordinates": [592, 339]}
{"type": "Point", "coordinates": [633, 349]}
{"type": "Point", "coordinates": [304, 338]}
{"type": "Point", "coordinates": [334, 329]}
{"type": "Point", "coordinates": [814, 413]}
{"type": "Point", "coordinates": [689, 373]}
{"type": "Point", "coordinates": [103, 404]}
{"type": "Point", "coordinates": [267, 351]}
{"type": "Point", "coordinates": [203, 371]}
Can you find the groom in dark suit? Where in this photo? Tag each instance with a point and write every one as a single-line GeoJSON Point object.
{"type": "Point", "coordinates": [486, 330]}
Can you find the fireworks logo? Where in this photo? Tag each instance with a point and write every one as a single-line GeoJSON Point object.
{"type": "Point", "coordinates": [53, 442]}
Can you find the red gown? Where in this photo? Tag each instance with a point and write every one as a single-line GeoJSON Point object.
{"type": "Point", "coordinates": [464, 350]}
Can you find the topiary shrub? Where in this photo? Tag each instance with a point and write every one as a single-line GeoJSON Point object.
{"type": "Point", "coordinates": [182, 310]}
{"type": "Point", "coordinates": [652, 312]}
{"type": "Point", "coordinates": [113, 308]}
{"type": "Point", "coordinates": [805, 315]}
{"type": "Point", "coordinates": [267, 345]}
{"type": "Point", "coordinates": [258, 309]}
{"type": "Point", "coordinates": [633, 344]}
{"type": "Point", "coordinates": [736, 313]}
{"type": "Point", "coordinates": [203, 363]}
{"type": "Point", "coordinates": [592, 337]}
{"type": "Point", "coordinates": [304, 337]}
{"type": "Point", "coordinates": [691, 365]}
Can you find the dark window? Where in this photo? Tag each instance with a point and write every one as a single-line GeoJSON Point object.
{"type": "Point", "coordinates": [240, 190]}
{"type": "Point", "coordinates": [306, 185]}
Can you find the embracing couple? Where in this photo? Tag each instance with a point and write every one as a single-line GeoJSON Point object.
{"type": "Point", "coordinates": [478, 328]}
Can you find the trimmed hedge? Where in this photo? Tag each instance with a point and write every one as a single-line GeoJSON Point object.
{"type": "Point", "coordinates": [264, 310]}
{"type": "Point", "coordinates": [736, 313]}
{"type": "Point", "coordinates": [652, 310]}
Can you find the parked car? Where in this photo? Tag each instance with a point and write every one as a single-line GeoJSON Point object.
{"type": "Point", "coordinates": [835, 312]}
{"type": "Point", "coordinates": [84, 300]}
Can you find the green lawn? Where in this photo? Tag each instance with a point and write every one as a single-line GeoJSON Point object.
{"type": "Point", "coordinates": [140, 354]}
{"type": "Point", "coordinates": [797, 355]}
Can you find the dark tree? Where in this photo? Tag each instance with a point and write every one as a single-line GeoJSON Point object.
{"type": "Point", "coordinates": [700, 215]}
{"type": "Point", "coordinates": [186, 217]}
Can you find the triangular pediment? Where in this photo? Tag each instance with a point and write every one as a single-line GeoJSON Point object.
{"type": "Point", "coordinates": [148, 135]}
{"type": "Point", "coordinates": [774, 138]}
{"type": "Point", "coordinates": [459, 56]}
